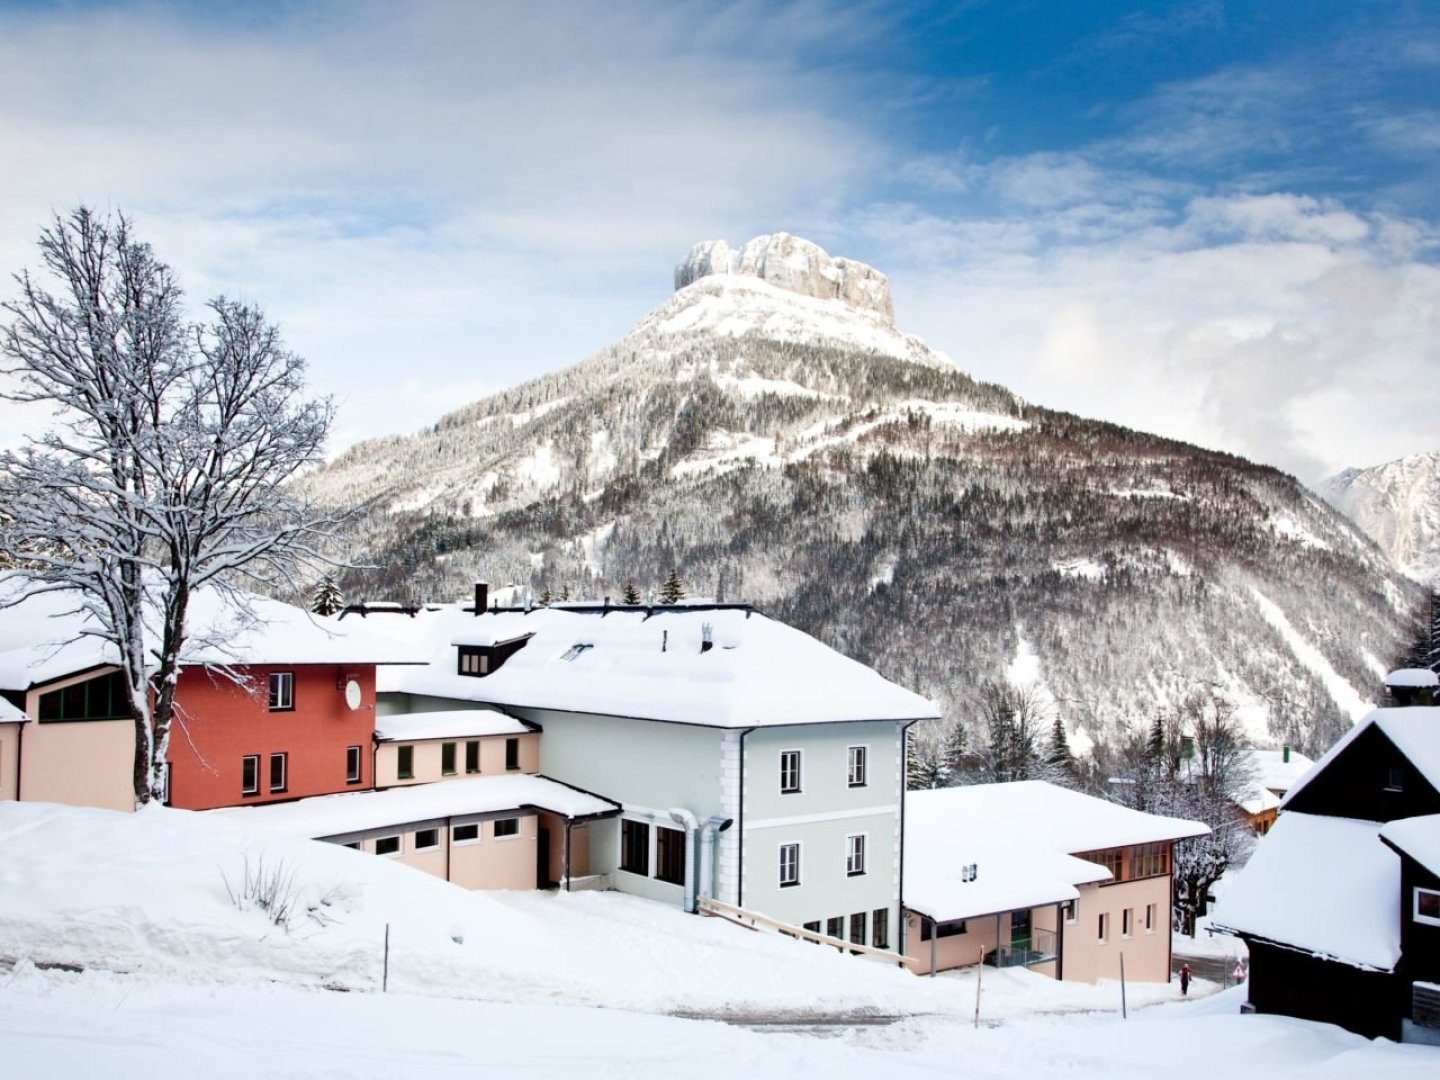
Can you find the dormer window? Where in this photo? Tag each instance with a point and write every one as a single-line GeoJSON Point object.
{"type": "Point", "coordinates": [1395, 778]}
{"type": "Point", "coordinates": [477, 661]}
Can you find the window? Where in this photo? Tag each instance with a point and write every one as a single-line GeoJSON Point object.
{"type": "Point", "coordinates": [942, 930]}
{"type": "Point", "coordinates": [1127, 922]}
{"type": "Point", "coordinates": [352, 764]}
{"type": "Point", "coordinates": [165, 785]}
{"type": "Point", "coordinates": [512, 754]}
{"type": "Point", "coordinates": [250, 774]}
{"type": "Point", "coordinates": [1149, 860]}
{"type": "Point", "coordinates": [282, 691]}
{"type": "Point", "coordinates": [466, 834]}
{"type": "Point", "coordinates": [789, 865]}
{"type": "Point", "coordinates": [789, 772]}
{"type": "Point", "coordinates": [635, 847]}
{"type": "Point", "coordinates": [857, 928]}
{"type": "Point", "coordinates": [474, 661]}
{"type": "Point", "coordinates": [94, 699]}
{"type": "Point", "coordinates": [387, 845]}
{"type": "Point", "coordinates": [1427, 906]}
{"type": "Point", "coordinates": [472, 756]}
{"type": "Point", "coordinates": [506, 826]}
{"type": "Point", "coordinates": [1104, 928]}
{"type": "Point", "coordinates": [835, 927]}
{"type": "Point", "coordinates": [858, 763]}
{"type": "Point", "coordinates": [426, 839]}
{"type": "Point", "coordinates": [880, 928]}
{"type": "Point", "coordinates": [1071, 910]}
{"type": "Point", "coordinates": [277, 772]}
{"type": "Point", "coordinates": [405, 762]}
{"type": "Point", "coordinates": [855, 855]}
{"type": "Point", "coordinates": [447, 759]}
{"type": "Point", "coordinates": [813, 927]}
{"type": "Point", "coordinates": [670, 855]}
{"type": "Point", "coordinates": [1395, 778]}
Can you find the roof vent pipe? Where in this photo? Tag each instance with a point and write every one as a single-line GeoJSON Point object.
{"type": "Point", "coordinates": [1286, 754]}
{"type": "Point", "coordinates": [687, 819]}
{"type": "Point", "coordinates": [708, 830]}
{"type": "Point", "coordinates": [664, 640]}
{"type": "Point", "coordinates": [707, 637]}
{"type": "Point", "coordinates": [482, 596]}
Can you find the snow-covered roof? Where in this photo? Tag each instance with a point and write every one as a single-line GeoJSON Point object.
{"type": "Point", "coordinates": [650, 665]}
{"type": "Point", "coordinates": [1417, 837]}
{"type": "Point", "coordinates": [1412, 677]}
{"type": "Point", "coordinates": [1324, 885]}
{"type": "Point", "coordinates": [44, 636]}
{"type": "Point", "coordinates": [9, 714]}
{"type": "Point", "coordinates": [1258, 799]}
{"type": "Point", "coordinates": [1272, 772]}
{"type": "Point", "coordinates": [449, 724]}
{"type": "Point", "coordinates": [1022, 838]}
{"type": "Point", "coordinates": [359, 811]}
{"type": "Point", "coordinates": [1414, 730]}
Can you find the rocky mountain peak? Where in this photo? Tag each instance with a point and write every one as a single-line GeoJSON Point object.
{"type": "Point", "coordinates": [794, 264]}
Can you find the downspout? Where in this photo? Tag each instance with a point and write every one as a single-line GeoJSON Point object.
{"type": "Point", "coordinates": [565, 854]}
{"type": "Point", "coordinates": [19, 758]}
{"type": "Point", "coordinates": [1060, 940]}
{"type": "Point", "coordinates": [740, 837]}
{"type": "Point", "coordinates": [449, 832]}
{"type": "Point", "coordinates": [374, 764]}
{"type": "Point", "coordinates": [904, 787]}
{"type": "Point", "coordinates": [687, 819]}
{"type": "Point", "coordinates": [709, 828]}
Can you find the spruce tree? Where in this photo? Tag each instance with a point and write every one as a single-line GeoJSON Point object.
{"type": "Point", "coordinates": [953, 755]}
{"type": "Point", "coordinates": [632, 594]}
{"type": "Point", "coordinates": [673, 591]}
{"type": "Point", "coordinates": [327, 599]}
{"type": "Point", "coordinates": [1060, 759]}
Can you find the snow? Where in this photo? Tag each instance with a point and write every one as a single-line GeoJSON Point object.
{"type": "Point", "coordinates": [1341, 692]}
{"type": "Point", "coordinates": [1274, 773]}
{"type": "Point", "coordinates": [651, 666]}
{"type": "Point", "coordinates": [43, 637]}
{"type": "Point", "coordinates": [1088, 569]}
{"type": "Point", "coordinates": [1412, 677]}
{"type": "Point", "coordinates": [9, 714]}
{"type": "Point", "coordinates": [178, 982]}
{"type": "Point", "coordinates": [1022, 837]}
{"type": "Point", "coordinates": [1288, 528]}
{"type": "Point", "coordinates": [1417, 837]}
{"type": "Point", "coordinates": [358, 811]}
{"type": "Point", "coordinates": [1326, 885]}
{"type": "Point", "coordinates": [448, 724]}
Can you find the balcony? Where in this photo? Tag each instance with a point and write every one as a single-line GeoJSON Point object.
{"type": "Point", "coordinates": [1038, 948]}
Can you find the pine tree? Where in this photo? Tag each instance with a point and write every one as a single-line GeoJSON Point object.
{"type": "Point", "coordinates": [632, 594]}
{"type": "Point", "coordinates": [1060, 759]}
{"type": "Point", "coordinates": [327, 599]}
{"type": "Point", "coordinates": [953, 753]}
{"type": "Point", "coordinates": [673, 591]}
{"type": "Point", "coordinates": [564, 594]}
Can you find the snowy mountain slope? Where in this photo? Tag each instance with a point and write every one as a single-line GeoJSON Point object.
{"type": "Point", "coordinates": [1398, 505]}
{"type": "Point", "coordinates": [801, 453]}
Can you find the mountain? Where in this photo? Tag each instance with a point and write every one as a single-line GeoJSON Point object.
{"type": "Point", "coordinates": [1398, 505]}
{"type": "Point", "coordinates": [771, 433]}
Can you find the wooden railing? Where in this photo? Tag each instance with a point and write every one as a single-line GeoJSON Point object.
{"type": "Point", "coordinates": [754, 920]}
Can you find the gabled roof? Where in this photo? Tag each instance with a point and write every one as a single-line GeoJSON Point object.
{"type": "Point", "coordinates": [44, 636]}
{"type": "Point", "coordinates": [650, 664]}
{"type": "Point", "coordinates": [1414, 731]}
{"type": "Point", "coordinates": [1022, 838]}
{"type": "Point", "coordinates": [1418, 838]}
{"type": "Point", "coordinates": [1323, 885]}
{"type": "Point", "coordinates": [1274, 773]}
{"type": "Point", "coordinates": [9, 714]}
{"type": "Point", "coordinates": [363, 811]}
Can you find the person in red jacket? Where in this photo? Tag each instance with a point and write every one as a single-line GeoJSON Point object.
{"type": "Point", "coordinates": [1184, 979]}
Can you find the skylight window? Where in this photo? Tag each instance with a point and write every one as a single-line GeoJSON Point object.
{"type": "Point", "coordinates": [576, 649]}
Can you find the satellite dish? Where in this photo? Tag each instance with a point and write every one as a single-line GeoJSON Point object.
{"type": "Point", "coordinates": [352, 694]}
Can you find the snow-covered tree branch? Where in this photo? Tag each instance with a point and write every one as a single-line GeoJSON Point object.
{"type": "Point", "coordinates": [164, 467]}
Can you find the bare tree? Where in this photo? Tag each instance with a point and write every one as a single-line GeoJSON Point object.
{"type": "Point", "coordinates": [1015, 720]}
{"type": "Point", "coordinates": [162, 471]}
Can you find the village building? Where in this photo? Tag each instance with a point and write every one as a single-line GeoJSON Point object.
{"type": "Point", "coordinates": [1032, 874]}
{"type": "Point", "coordinates": [1340, 902]}
{"type": "Point", "coordinates": [1271, 774]}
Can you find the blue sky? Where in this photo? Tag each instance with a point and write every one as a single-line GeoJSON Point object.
{"type": "Point", "coordinates": [1213, 220]}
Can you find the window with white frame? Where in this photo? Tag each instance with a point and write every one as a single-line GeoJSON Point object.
{"type": "Point", "coordinates": [1427, 906]}
{"type": "Point", "coordinates": [789, 772]}
{"type": "Point", "coordinates": [855, 855]}
{"type": "Point", "coordinates": [789, 865]}
{"type": "Point", "coordinates": [1151, 910]}
{"type": "Point", "coordinates": [425, 839]}
{"type": "Point", "coordinates": [1103, 934]}
{"type": "Point", "coordinates": [1071, 910]}
{"type": "Point", "coordinates": [250, 774]}
{"type": "Point", "coordinates": [468, 833]}
{"type": "Point", "coordinates": [352, 764]}
{"type": "Point", "coordinates": [387, 845]}
{"type": "Point", "coordinates": [282, 691]}
{"type": "Point", "coordinates": [1127, 922]}
{"type": "Point", "coordinates": [277, 772]}
{"type": "Point", "coordinates": [506, 826]}
{"type": "Point", "coordinates": [859, 765]}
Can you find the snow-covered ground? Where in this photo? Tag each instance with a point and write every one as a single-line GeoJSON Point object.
{"type": "Point", "coordinates": [178, 980]}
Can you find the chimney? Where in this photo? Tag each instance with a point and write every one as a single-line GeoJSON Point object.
{"type": "Point", "coordinates": [482, 596]}
{"type": "Point", "coordinates": [707, 637]}
{"type": "Point", "coordinates": [1286, 754]}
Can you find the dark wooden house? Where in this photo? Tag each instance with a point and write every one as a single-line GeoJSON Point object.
{"type": "Point", "coordinates": [1327, 902]}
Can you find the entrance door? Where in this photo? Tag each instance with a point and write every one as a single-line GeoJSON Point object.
{"type": "Point", "coordinates": [1020, 929]}
{"type": "Point", "coordinates": [542, 860]}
